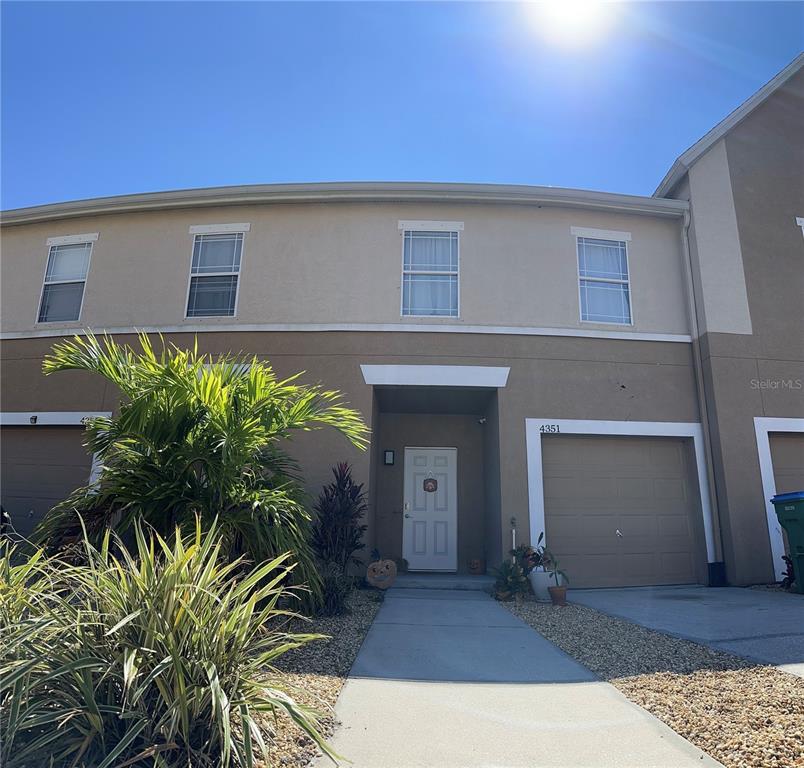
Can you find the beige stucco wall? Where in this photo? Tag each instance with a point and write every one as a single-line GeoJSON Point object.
{"type": "Point", "coordinates": [550, 378]}
{"type": "Point", "coordinates": [341, 263]}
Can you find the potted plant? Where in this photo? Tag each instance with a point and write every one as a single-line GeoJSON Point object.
{"type": "Point", "coordinates": [532, 561]}
{"type": "Point", "coordinates": [510, 581]}
{"type": "Point", "coordinates": [558, 591]}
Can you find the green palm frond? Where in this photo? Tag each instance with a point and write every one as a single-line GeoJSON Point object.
{"type": "Point", "coordinates": [197, 435]}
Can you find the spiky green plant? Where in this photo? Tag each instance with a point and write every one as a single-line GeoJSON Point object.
{"type": "Point", "coordinates": [197, 436]}
{"type": "Point", "coordinates": [156, 656]}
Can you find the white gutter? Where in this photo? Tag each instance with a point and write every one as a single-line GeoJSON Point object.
{"type": "Point", "coordinates": [349, 192]}
{"type": "Point", "coordinates": [697, 364]}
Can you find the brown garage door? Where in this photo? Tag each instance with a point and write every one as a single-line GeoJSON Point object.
{"type": "Point", "coordinates": [787, 454]}
{"type": "Point", "coordinates": [642, 487]}
{"type": "Point", "coordinates": [40, 467]}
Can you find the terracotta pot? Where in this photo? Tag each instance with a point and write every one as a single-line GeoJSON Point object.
{"type": "Point", "coordinates": [558, 595]}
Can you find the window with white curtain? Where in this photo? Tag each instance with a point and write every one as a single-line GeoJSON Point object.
{"type": "Point", "coordinates": [430, 273]}
{"type": "Point", "coordinates": [65, 278]}
{"type": "Point", "coordinates": [603, 275]}
{"type": "Point", "coordinates": [214, 275]}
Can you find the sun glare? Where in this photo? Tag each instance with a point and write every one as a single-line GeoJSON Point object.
{"type": "Point", "coordinates": [571, 22]}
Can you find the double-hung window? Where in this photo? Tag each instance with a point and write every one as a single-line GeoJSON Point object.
{"type": "Point", "coordinates": [215, 271]}
{"type": "Point", "coordinates": [430, 268]}
{"type": "Point", "coordinates": [65, 278]}
{"type": "Point", "coordinates": [603, 278]}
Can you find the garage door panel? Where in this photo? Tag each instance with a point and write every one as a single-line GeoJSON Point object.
{"type": "Point", "coordinates": [787, 455]}
{"type": "Point", "coordinates": [41, 466]}
{"type": "Point", "coordinates": [595, 486]}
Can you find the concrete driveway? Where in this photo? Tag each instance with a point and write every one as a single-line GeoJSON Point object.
{"type": "Point", "coordinates": [451, 679]}
{"type": "Point", "coordinates": [761, 625]}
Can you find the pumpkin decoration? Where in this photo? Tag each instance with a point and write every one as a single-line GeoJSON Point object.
{"type": "Point", "coordinates": [381, 573]}
{"type": "Point", "coordinates": [477, 567]}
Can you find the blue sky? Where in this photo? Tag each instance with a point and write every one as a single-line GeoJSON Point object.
{"type": "Point", "coordinates": [114, 98]}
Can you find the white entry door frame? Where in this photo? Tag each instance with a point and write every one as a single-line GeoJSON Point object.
{"type": "Point", "coordinates": [430, 509]}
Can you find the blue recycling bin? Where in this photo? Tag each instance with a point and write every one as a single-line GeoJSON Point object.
{"type": "Point", "coordinates": [790, 511]}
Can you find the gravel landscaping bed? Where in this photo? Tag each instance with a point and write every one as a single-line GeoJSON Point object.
{"type": "Point", "coordinates": [317, 673]}
{"type": "Point", "coordinates": [744, 715]}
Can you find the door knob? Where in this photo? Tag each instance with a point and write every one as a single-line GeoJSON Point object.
{"type": "Point", "coordinates": [619, 533]}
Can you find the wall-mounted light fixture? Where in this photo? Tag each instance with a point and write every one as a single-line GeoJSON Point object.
{"type": "Point", "coordinates": [388, 458]}
{"type": "Point", "coordinates": [33, 419]}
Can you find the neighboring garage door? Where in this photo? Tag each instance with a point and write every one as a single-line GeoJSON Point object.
{"type": "Point", "coordinates": [643, 487]}
{"type": "Point", "coordinates": [40, 467]}
{"type": "Point", "coordinates": [787, 454]}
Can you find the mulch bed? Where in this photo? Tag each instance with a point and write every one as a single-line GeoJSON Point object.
{"type": "Point", "coordinates": [742, 714]}
{"type": "Point", "coordinates": [317, 673]}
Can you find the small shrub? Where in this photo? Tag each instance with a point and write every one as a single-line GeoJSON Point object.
{"type": "Point", "coordinates": [510, 580]}
{"type": "Point", "coordinates": [336, 586]}
{"type": "Point", "coordinates": [161, 656]}
{"type": "Point", "coordinates": [337, 531]}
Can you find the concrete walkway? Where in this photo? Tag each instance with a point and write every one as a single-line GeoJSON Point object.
{"type": "Point", "coordinates": [450, 679]}
{"type": "Point", "coordinates": [761, 625]}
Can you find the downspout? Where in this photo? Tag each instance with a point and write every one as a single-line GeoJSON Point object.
{"type": "Point", "coordinates": [717, 575]}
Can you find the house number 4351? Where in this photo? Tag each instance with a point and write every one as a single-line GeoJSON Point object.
{"type": "Point", "coordinates": [549, 428]}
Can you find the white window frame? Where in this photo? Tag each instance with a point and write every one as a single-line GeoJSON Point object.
{"type": "Point", "coordinates": [430, 226]}
{"type": "Point", "coordinates": [197, 230]}
{"type": "Point", "coordinates": [603, 234]}
{"type": "Point", "coordinates": [90, 238]}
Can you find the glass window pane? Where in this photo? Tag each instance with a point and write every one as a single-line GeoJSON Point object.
{"type": "Point", "coordinates": [431, 251]}
{"type": "Point", "coordinates": [217, 253]}
{"type": "Point", "coordinates": [68, 262]}
{"type": "Point", "coordinates": [605, 302]}
{"type": "Point", "coordinates": [61, 301]}
{"type": "Point", "coordinates": [434, 295]}
{"type": "Point", "coordinates": [212, 296]}
{"type": "Point", "coordinates": [602, 258]}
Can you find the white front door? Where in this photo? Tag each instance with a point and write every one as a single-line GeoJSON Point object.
{"type": "Point", "coordinates": [430, 522]}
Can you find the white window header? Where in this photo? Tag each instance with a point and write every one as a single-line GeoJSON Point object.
{"type": "Point", "coordinates": [218, 229]}
{"type": "Point", "coordinates": [600, 234]}
{"type": "Point", "coordinates": [91, 237]}
{"type": "Point", "coordinates": [431, 226]}
{"type": "Point", "coordinates": [436, 375]}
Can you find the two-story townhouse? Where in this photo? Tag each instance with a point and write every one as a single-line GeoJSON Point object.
{"type": "Point", "coordinates": [527, 358]}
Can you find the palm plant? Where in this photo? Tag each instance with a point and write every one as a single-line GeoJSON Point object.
{"type": "Point", "coordinates": [197, 436]}
{"type": "Point", "coordinates": [156, 655]}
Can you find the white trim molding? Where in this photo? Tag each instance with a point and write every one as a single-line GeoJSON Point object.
{"type": "Point", "coordinates": [407, 327]}
{"type": "Point", "coordinates": [90, 237]}
{"type": "Point", "coordinates": [533, 441]}
{"type": "Point", "coordinates": [430, 226]}
{"type": "Point", "coordinates": [436, 375]}
{"type": "Point", "coordinates": [763, 426]}
{"type": "Point", "coordinates": [218, 229]}
{"type": "Point", "coordinates": [49, 418]}
{"type": "Point", "coordinates": [600, 234]}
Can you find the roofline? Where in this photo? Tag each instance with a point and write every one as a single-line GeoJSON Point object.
{"type": "Point", "coordinates": [358, 191]}
{"type": "Point", "coordinates": [685, 160]}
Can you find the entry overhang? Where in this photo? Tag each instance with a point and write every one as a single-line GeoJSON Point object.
{"type": "Point", "coordinates": [436, 375]}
